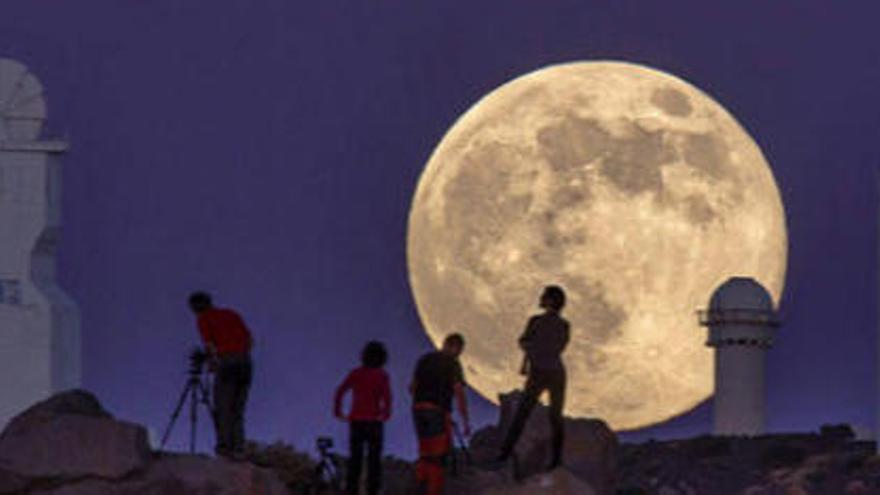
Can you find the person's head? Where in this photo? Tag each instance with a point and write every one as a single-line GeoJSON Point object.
{"type": "Point", "coordinates": [374, 355]}
{"type": "Point", "coordinates": [200, 301]}
{"type": "Point", "coordinates": [553, 298]}
{"type": "Point", "coordinates": [453, 344]}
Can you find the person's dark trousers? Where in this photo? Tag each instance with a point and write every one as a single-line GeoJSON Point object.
{"type": "Point", "coordinates": [540, 380]}
{"type": "Point", "coordinates": [369, 435]}
{"type": "Point", "coordinates": [232, 381]}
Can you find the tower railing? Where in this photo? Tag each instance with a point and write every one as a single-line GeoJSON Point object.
{"type": "Point", "coordinates": [738, 316]}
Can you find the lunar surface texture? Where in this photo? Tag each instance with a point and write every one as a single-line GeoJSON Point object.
{"type": "Point", "coordinates": [633, 190]}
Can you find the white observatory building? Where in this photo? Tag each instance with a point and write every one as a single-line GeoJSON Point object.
{"type": "Point", "coordinates": [39, 323]}
{"type": "Point", "coordinates": [742, 322]}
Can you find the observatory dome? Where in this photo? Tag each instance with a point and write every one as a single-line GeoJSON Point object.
{"type": "Point", "coordinates": [741, 293]}
{"type": "Point", "coordinates": [22, 104]}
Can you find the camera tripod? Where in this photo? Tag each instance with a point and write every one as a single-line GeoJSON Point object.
{"type": "Point", "coordinates": [197, 393]}
{"type": "Point", "coordinates": [326, 475]}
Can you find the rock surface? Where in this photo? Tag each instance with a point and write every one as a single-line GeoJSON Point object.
{"type": "Point", "coordinates": [70, 436]}
{"type": "Point", "coordinates": [483, 482]}
{"type": "Point", "coordinates": [69, 445]}
{"type": "Point", "coordinates": [590, 449]}
{"type": "Point", "coordinates": [559, 482]}
{"type": "Point", "coordinates": [829, 462]}
{"type": "Point", "coordinates": [183, 474]}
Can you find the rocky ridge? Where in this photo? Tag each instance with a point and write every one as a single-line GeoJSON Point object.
{"type": "Point", "coordinates": [70, 445]}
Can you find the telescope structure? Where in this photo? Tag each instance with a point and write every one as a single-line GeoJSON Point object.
{"type": "Point", "coordinates": [39, 323]}
{"type": "Point", "coordinates": [742, 321]}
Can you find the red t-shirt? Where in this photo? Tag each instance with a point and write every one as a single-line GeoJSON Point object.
{"type": "Point", "coordinates": [371, 393]}
{"type": "Point", "coordinates": [225, 331]}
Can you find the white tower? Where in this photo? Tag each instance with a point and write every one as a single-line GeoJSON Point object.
{"type": "Point", "coordinates": [39, 323]}
{"type": "Point", "coordinates": [741, 320]}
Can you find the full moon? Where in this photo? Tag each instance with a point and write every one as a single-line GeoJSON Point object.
{"type": "Point", "coordinates": [630, 188]}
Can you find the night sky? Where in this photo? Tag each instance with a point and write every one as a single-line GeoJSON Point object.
{"type": "Point", "coordinates": [268, 152]}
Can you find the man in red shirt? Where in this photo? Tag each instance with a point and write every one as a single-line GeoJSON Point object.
{"type": "Point", "coordinates": [228, 342]}
{"type": "Point", "coordinates": [370, 408]}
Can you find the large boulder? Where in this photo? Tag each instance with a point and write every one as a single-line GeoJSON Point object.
{"type": "Point", "coordinates": [69, 445]}
{"type": "Point", "coordinates": [70, 436]}
{"type": "Point", "coordinates": [590, 450]}
{"type": "Point", "coordinates": [79, 402]}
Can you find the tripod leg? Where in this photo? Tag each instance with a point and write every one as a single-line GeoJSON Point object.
{"type": "Point", "coordinates": [206, 400]}
{"type": "Point", "coordinates": [211, 408]}
{"type": "Point", "coordinates": [174, 415]}
{"type": "Point", "coordinates": [318, 477]}
{"type": "Point", "coordinates": [193, 417]}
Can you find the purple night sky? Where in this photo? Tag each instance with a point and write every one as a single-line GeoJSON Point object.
{"type": "Point", "coordinates": [268, 152]}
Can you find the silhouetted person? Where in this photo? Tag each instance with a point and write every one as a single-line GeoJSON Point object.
{"type": "Point", "coordinates": [370, 408]}
{"type": "Point", "coordinates": [437, 379]}
{"type": "Point", "coordinates": [228, 342]}
{"type": "Point", "coordinates": [543, 341]}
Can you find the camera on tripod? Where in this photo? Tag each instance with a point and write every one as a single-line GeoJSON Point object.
{"type": "Point", "coordinates": [326, 474]}
{"type": "Point", "coordinates": [324, 444]}
{"type": "Point", "coordinates": [197, 359]}
{"type": "Point", "coordinates": [195, 392]}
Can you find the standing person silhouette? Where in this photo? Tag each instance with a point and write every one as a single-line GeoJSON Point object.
{"type": "Point", "coordinates": [370, 408]}
{"type": "Point", "coordinates": [228, 342]}
{"type": "Point", "coordinates": [437, 379]}
{"type": "Point", "coordinates": [543, 341]}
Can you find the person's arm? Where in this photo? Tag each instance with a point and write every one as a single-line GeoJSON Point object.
{"type": "Point", "coordinates": [525, 341]}
{"type": "Point", "coordinates": [386, 399]}
{"type": "Point", "coordinates": [250, 339]}
{"type": "Point", "coordinates": [560, 341]}
{"type": "Point", "coordinates": [337, 399]}
{"type": "Point", "coordinates": [566, 337]}
{"type": "Point", "coordinates": [526, 366]}
{"type": "Point", "coordinates": [207, 337]}
{"type": "Point", "coordinates": [461, 401]}
{"type": "Point", "coordinates": [528, 335]}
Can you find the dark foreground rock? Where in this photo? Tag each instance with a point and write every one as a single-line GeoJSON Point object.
{"type": "Point", "coordinates": [180, 474]}
{"type": "Point", "coordinates": [829, 462]}
{"type": "Point", "coordinates": [590, 461]}
{"type": "Point", "coordinates": [590, 452]}
{"type": "Point", "coordinates": [589, 457]}
{"type": "Point", "coordinates": [70, 436]}
{"type": "Point", "coordinates": [69, 445]}
{"type": "Point", "coordinates": [485, 482]}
